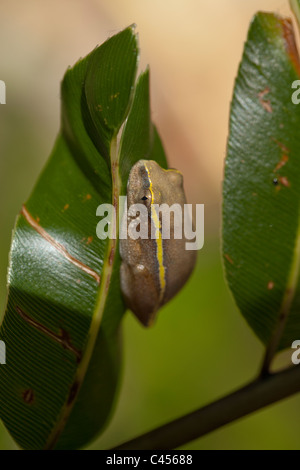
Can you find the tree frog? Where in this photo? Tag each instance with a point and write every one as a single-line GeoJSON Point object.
{"type": "Point", "coordinates": [153, 270]}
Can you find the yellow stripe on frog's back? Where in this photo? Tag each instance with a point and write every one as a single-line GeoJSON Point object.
{"type": "Point", "coordinates": [159, 242]}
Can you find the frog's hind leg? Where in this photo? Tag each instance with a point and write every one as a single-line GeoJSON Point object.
{"type": "Point", "coordinates": [139, 291]}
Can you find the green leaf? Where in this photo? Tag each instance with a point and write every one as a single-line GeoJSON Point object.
{"type": "Point", "coordinates": [261, 234]}
{"type": "Point", "coordinates": [62, 323]}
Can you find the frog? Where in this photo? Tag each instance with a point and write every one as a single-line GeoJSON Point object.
{"type": "Point", "coordinates": [153, 269]}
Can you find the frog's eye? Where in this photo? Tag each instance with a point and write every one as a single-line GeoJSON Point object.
{"type": "Point", "coordinates": [146, 198]}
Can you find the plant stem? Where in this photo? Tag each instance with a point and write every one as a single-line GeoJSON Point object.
{"type": "Point", "coordinates": [258, 394]}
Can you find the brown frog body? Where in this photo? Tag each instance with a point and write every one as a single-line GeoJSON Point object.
{"type": "Point", "coordinates": [153, 270]}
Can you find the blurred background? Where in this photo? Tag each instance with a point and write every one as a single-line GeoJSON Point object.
{"type": "Point", "coordinates": [200, 348]}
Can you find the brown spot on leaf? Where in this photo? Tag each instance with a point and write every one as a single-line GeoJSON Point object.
{"type": "Point", "coordinates": [281, 146]}
{"type": "Point", "coordinates": [266, 104]}
{"type": "Point", "coordinates": [66, 344]}
{"type": "Point", "coordinates": [58, 246]}
{"type": "Point", "coordinates": [28, 396]}
{"type": "Point", "coordinates": [66, 207]}
{"type": "Point", "coordinates": [114, 96]}
{"type": "Point", "coordinates": [87, 198]}
{"type": "Point", "coordinates": [270, 285]}
{"type": "Point", "coordinates": [63, 338]}
{"type": "Point", "coordinates": [73, 393]}
{"type": "Point", "coordinates": [284, 181]}
{"type": "Point", "coordinates": [282, 317]}
{"type": "Point", "coordinates": [228, 259]}
{"type": "Point", "coordinates": [115, 201]}
{"type": "Point", "coordinates": [89, 240]}
{"type": "Point", "coordinates": [290, 43]}
{"type": "Point", "coordinates": [111, 255]}
{"type": "Point", "coordinates": [284, 159]}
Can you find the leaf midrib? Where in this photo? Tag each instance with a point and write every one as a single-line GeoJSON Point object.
{"type": "Point", "coordinates": [286, 304]}
{"type": "Point", "coordinates": [102, 295]}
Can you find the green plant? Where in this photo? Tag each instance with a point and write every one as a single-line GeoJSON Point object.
{"type": "Point", "coordinates": [58, 267]}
